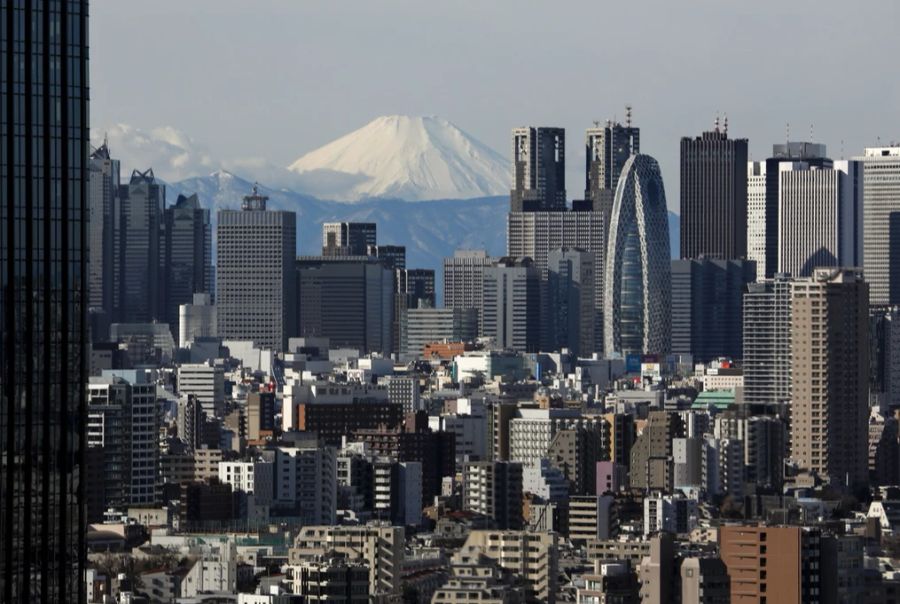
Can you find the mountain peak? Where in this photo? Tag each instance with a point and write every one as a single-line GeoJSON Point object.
{"type": "Point", "coordinates": [408, 157]}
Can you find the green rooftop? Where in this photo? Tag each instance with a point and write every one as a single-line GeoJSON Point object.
{"type": "Point", "coordinates": [720, 399]}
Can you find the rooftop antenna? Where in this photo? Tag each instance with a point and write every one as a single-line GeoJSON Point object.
{"type": "Point", "coordinates": [787, 132]}
{"type": "Point", "coordinates": [726, 124]}
{"type": "Point", "coordinates": [716, 123]}
{"type": "Point", "coordinates": [596, 123]}
{"type": "Point", "coordinates": [811, 131]}
{"type": "Point", "coordinates": [106, 139]}
{"type": "Point", "coordinates": [628, 115]}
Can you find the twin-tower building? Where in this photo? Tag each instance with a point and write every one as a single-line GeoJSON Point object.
{"type": "Point", "coordinates": [614, 242]}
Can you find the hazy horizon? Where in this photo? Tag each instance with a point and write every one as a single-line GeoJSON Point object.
{"type": "Point", "coordinates": [271, 80]}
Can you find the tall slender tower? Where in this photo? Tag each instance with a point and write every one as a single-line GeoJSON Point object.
{"type": "Point", "coordinates": [139, 245]}
{"type": "Point", "coordinates": [830, 375]}
{"type": "Point", "coordinates": [881, 220]}
{"type": "Point", "coordinates": [43, 299]}
{"type": "Point", "coordinates": [103, 201]}
{"type": "Point", "coordinates": [638, 278]}
{"type": "Point", "coordinates": [714, 195]}
{"type": "Point", "coordinates": [539, 166]}
{"type": "Point", "coordinates": [188, 256]}
{"type": "Point", "coordinates": [606, 150]}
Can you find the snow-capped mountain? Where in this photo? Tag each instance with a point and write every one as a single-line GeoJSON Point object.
{"type": "Point", "coordinates": [403, 157]}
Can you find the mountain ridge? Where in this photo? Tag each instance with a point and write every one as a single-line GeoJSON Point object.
{"type": "Point", "coordinates": [406, 157]}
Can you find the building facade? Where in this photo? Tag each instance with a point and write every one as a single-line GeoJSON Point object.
{"type": "Point", "coordinates": [188, 256]}
{"type": "Point", "coordinates": [767, 341]}
{"type": "Point", "coordinates": [255, 282]}
{"type": "Point", "coordinates": [881, 223]}
{"type": "Point", "coordinates": [348, 238]}
{"type": "Point", "coordinates": [818, 221]}
{"type": "Point", "coordinates": [43, 299]}
{"type": "Point", "coordinates": [464, 281]}
{"type": "Point", "coordinates": [714, 196]}
{"type": "Point", "coordinates": [707, 303]}
{"type": "Point", "coordinates": [494, 489]}
{"type": "Point", "coordinates": [637, 284]}
{"type": "Point", "coordinates": [512, 304]}
{"type": "Point", "coordinates": [539, 169]}
{"type": "Point", "coordinates": [570, 319]}
{"type": "Point", "coordinates": [536, 234]}
{"type": "Point", "coordinates": [140, 250]}
{"type": "Point", "coordinates": [349, 300]}
{"type": "Point", "coordinates": [830, 375]}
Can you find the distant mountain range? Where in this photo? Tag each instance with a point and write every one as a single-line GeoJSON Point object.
{"type": "Point", "coordinates": [430, 231]}
{"type": "Point", "coordinates": [426, 183]}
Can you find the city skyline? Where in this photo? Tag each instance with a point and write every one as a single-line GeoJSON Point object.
{"type": "Point", "coordinates": [716, 60]}
{"type": "Point", "coordinates": [315, 384]}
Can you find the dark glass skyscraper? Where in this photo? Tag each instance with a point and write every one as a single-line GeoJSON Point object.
{"type": "Point", "coordinates": [539, 169]}
{"type": "Point", "coordinates": [188, 251]}
{"type": "Point", "coordinates": [43, 297]}
{"type": "Point", "coordinates": [714, 196]}
{"type": "Point", "coordinates": [140, 256]}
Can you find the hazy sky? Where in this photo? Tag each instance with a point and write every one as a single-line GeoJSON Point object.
{"type": "Point", "coordinates": [274, 79]}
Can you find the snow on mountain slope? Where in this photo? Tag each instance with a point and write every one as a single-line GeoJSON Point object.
{"type": "Point", "coordinates": [410, 158]}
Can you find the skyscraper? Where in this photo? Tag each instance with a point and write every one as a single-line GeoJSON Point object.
{"type": "Point", "coordinates": [569, 318]}
{"type": "Point", "coordinates": [512, 304]}
{"type": "Point", "coordinates": [637, 285]}
{"type": "Point", "coordinates": [140, 250]}
{"type": "Point", "coordinates": [757, 237]}
{"type": "Point", "coordinates": [43, 299]}
{"type": "Point", "coordinates": [348, 300]}
{"type": "Point", "coordinates": [767, 341]}
{"type": "Point", "coordinates": [539, 168]}
{"type": "Point", "coordinates": [881, 219]}
{"type": "Point", "coordinates": [707, 302]}
{"type": "Point", "coordinates": [255, 283]}
{"type": "Point", "coordinates": [415, 287]}
{"type": "Point", "coordinates": [830, 375]}
{"type": "Point", "coordinates": [535, 234]}
{"type": "Point", "coordinates": [606, 151]}
{"type": "Point", "coordinates": [714, 195]}
{"type": "Point", "coordinates": [762, 200]}
{"type": "Point", "coordinates": [347, 238]}
{"type": "Point", "coordinates": [818, 225]}
{"type": "Point", "coordinates": [393, 255]}
{"type": "Point", "coordinates": [103, 200]}
{"type": "Point", "coordinates": [188, 255]}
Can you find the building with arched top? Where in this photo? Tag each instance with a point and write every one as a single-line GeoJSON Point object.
{"type": "Point", "coordinates": [637, 284]}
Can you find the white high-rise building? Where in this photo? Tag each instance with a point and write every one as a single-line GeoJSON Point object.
{"type": "Point", "coordinates": [756, 216]}
{"type": "Point", "coordinates": [818, 224]}
{"type": "Point", "coordinates": [196, 320]}
{"type": "Point", "coordinates": [881, 223]}
{"type": "Point", "coordinates": [255, 281]}
{"type": "Point", "coordinates": [207, 383]}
